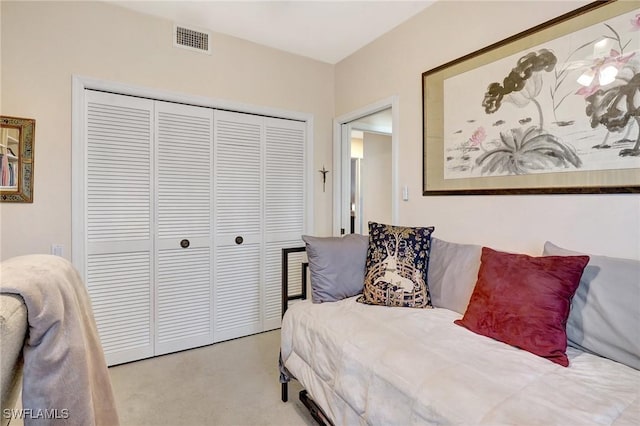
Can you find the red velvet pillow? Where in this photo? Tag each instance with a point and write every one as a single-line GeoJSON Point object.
{"type": "Point", "coordinates": [524, 301]}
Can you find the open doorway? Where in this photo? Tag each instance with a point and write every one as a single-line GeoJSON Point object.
{"type": "Point", "coordinates": [366, 177]}
{"type": "Point", "coordinates": [371, 174]}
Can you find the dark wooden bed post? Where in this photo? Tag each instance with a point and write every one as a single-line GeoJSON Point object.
{"type": "Point", "coordinates": [286, 297]}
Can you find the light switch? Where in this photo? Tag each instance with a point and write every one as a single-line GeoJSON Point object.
{"type": "Point", "coordinates": [405, 193]}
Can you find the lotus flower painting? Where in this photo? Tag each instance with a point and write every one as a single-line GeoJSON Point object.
{"type": "Point", "coordinates": [572, 104]}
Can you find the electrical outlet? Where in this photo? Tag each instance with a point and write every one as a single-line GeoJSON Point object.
{"type": "Point", "coordinates": [57, 249]}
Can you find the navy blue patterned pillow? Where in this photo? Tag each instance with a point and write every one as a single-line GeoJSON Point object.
{"type": "Point", "coordinates": [397, 265]}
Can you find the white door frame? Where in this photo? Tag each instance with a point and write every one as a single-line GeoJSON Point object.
{"type": "Point", "coordinates": [342, 158]}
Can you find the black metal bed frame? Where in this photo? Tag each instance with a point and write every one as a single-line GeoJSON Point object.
{"type": "Point", "coordinates": [286, 297]}
{"type": "Point", "coordinates": [315, 410]}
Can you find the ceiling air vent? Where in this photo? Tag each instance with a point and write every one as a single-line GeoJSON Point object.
{"type": "Point", "coordinates": [192, 39]}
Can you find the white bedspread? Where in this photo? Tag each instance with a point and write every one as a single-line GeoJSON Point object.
{"type": "Point", "coordinates": [398, 366]}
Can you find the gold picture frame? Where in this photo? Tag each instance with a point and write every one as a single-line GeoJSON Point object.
{"type": "Point", "coordinates": [17, 138]}
{"type": "Point", "coordinates": [537, 113]}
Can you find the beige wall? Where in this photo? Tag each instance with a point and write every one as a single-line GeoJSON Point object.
{"type": "Point", "coordinates": [45, 43]}
{"type": "Point", "coordinates": [393, 64]}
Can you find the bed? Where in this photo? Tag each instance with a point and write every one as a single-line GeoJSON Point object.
{"type": "Point", "coordinates": [373, 365]}
{"type": "Point", "coordinates": [364, 364]}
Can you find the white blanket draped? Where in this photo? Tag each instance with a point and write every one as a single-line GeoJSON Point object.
{"type": "Point", "coordinates": [399, 366]}
{"type": "Point", "coordinates": [65, 374]}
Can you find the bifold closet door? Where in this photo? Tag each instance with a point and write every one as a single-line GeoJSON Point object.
{"type": "Point", "coordinates": [259, 210]}
{"type": "Point", "coordinates": [149, 224]}
{"type": "Point", "coordinates": [118, 227]}
{"type": "Point", "coordinates": [187, 212]}
{"type": "Point", "coordinates": [238, 224]}
{"type": "Point", "coordinates": [183, 246]}
{"type": "Point", "coordinates": [284, 210]}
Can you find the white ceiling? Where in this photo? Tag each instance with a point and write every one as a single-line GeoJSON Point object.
{"type": "Point", "coordinates": [328, 31]}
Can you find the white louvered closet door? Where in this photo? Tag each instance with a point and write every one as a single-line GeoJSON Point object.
{"type": "Point", "coordinates": [238, 224]}
{"type": "Point", "coordinates": [118, 208]}
{"type": "Point", "coordinates": [284, 209]}
{"type": "Point", "coordinates": [184, 161]}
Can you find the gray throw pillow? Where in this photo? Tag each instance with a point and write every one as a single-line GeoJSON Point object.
{"type": "Point", "coordinates": [336, 265]}
{"type": "Point", "coordinates": [453, 272]}
{"type": "Point", "coordinates": [605, 311]}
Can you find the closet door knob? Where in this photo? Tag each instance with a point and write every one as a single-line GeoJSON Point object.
{"type": "Point", "coordinates": [184, 243]}
{"type": "Point", "coordinates": [239, 240]}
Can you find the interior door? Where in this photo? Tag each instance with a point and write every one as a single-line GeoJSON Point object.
{"type": "Point", "coordinates": [184, 230]}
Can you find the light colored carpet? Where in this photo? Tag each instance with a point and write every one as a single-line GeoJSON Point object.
{"type": "Point", "coordinates": [229, 383]}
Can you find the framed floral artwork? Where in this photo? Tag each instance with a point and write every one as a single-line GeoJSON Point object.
{"type": "Point", "coordinates": [554, 109]}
